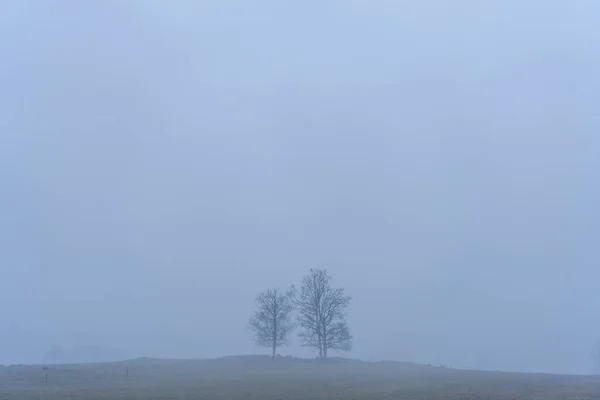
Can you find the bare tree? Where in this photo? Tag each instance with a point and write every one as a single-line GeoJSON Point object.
{"type": "Point", "coordinates": [272, 320]}
{"type": "Point", "coordinates": [321, 313]}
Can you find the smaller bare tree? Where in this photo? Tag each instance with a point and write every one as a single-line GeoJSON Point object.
{"type": "Point", "coordinates": [272, 320]}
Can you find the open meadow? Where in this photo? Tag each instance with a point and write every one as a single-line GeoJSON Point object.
{"type": "Point", "coordinates": [261, 378]}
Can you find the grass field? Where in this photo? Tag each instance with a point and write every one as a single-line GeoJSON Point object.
{"type": "Point", "coordinates": [262, 378]}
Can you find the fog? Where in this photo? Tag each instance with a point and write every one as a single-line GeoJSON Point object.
{"type": "Point", "coordinates": [161, 163]}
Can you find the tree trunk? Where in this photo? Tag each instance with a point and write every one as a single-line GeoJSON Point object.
{"type": "Point", "coordinates": [274, 329]}
{"type": "Point", "coordinates": [320, 345]}
{"type": "Point", "coordinates": [320, 348]}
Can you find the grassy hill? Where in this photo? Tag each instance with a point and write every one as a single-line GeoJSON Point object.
{"type": "Point", "coordinates": [257, 377]}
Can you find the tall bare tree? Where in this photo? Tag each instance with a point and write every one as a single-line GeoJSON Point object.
{"type": "Point", "coordinates": [322, 313]}
{"type": "Point", "coordinates": [272, 321]}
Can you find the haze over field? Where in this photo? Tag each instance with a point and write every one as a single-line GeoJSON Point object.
{"type": "Point", "coordinates": [161, 163]}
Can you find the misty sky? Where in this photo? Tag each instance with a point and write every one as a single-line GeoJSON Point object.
{"type": "Point", "coordinates": [161, 162]}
